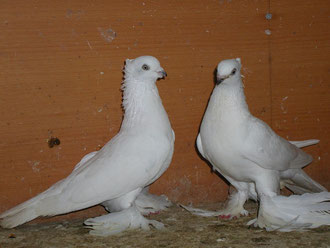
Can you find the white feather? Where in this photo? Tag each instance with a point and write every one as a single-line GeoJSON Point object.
{"type": "Point", "coordinates": [136, 157]}
{"type": "Point", "coordinates": [294, 212]}
{"type": "Point", "coordinates": [256, 161]}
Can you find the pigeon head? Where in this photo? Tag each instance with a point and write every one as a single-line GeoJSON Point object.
{"type": "Point", "coordinates": [144, 68]}
{"type": "Point", "coordinates": [227, 69]}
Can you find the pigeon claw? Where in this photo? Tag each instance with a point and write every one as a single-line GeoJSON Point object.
{"type": "Point", "coordinates": [225, 217]}
{"type": "Point", "coordinates": [154, 213]}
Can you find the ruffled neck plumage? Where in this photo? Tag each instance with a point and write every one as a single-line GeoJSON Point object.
{"type": "Point", "coordinates": [139, 97]}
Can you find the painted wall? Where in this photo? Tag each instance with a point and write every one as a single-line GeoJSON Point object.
{"type": "Point", "coordinates": [61, 71]}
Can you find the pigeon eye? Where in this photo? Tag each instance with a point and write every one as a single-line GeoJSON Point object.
{"type": "Point", "coordinates": [145, 67]}
{"type": "Point", "coordinates": [233, 71]}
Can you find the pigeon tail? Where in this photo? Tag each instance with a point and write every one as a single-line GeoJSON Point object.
{"type": "Point", "coordinates": [304, 143]}
{"type": "Point", "coordinates": [18, 217]}
{"type": "Point", "coordinates": [296, 212]}
{"type": "Point", "coordinates": [26, 211]}
{"type": "Point", "coordinates": [301, 183]}
{"type": "Point", "coordinates": [44, 204]}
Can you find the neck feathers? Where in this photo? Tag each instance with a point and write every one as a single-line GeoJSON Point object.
{"type": "Point", "coordinates": [139, 99]}
{"type": "Point", "coordinates": [230, 95]}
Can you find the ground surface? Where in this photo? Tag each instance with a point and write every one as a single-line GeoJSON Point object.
{"type": "Point", "coordinates": [182, 230]}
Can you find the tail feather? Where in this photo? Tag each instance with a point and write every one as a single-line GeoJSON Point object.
{"type": "Point", "coordinates": [304, 143]}
{"type": "Point", "coordinates": [296, 212]}
{"type": "Point", "coordinates": [296, 189]}
{"type": "Point", "coordinates": [19, 208]}
{"type": "Point", "coordinates": [39, 205]}
{"type": "Point", "coordinates": [21, 216]}
{"type": "Point", "coordinates": [301, 183]}
{"type": "Point", "coordinates": [201, 212]}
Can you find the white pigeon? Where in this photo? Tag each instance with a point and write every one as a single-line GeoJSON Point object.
{"type": "Point", "coordinates": [256, 161]}
{"type": "Point", "coordinates": [117, 175]}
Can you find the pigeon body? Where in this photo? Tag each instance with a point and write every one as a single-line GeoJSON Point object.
{"type": "Point", "coordinates": [118, 173]}
{"type": "Point", "coordinates": [256, 161]}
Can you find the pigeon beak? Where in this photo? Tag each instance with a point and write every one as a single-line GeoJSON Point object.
{"type": "Point", "coordinates": [162, 74]}
{"type": "Point", "coordinates": [220, 79]}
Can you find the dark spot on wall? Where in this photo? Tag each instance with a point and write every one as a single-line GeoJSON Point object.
{"type": "Point", "coordinates": [53, 141]}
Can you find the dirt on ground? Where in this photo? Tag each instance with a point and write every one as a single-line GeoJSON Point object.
{"type": "Point", "coordinates": [182, 230]}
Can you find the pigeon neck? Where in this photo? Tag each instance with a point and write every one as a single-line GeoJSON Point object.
{"type": "Point", "coordinates": [229, 96]}
{"type": "Point", "coordinates": [142, 104]}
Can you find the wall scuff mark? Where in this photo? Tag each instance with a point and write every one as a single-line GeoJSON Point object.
{"type": "Point", "coordinates": [108, 34]}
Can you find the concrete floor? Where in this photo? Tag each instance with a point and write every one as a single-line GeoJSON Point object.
{"type": "Point", "coordinates": [182, 230]}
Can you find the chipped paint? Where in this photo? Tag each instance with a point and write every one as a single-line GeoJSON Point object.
{"type": "Point", "coordinates": [89, 45]}
{"type": "Point", "coordinates": [268, 16]}
{"type": "Point", "coordinates": [34, 165]}
{"type": "Point", "coordinates": [268, 32]}
{"type": "Point", "coordinates": [108, 34]}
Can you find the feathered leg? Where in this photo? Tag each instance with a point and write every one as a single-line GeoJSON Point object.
{"type": "Point", "coordinates": [234, 207]}
{"type": "Point", "coordinates": [124, 215]}
{"type": "Point", "coordinates": [149, 203]}
{"type": "Point", "coordinates": [235, 204]}
{"type": "Point", "coordinates": [114, 223]}
{"type": "Point", "coordinates": [145, 202]}
{"type": "Point", "coordinates": [296, 212]}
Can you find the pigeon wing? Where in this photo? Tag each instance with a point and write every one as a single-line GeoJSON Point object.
{"type": "Point", "coordinates": [270, 151]}
{"type": "Point", "coordinates": [121, 166]}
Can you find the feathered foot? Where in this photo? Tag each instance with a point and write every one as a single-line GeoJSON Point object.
{"type": "Point", "coordinates": [227, 213]}
{"type": "Point", "coordinates": [201, 212]}
{"type": "Point", "coordinates": [235, 205]}
{"type": "Point", "coordinates": [117, 222]}
{"type": "Point", "coordinates": [296, 212]}
{"type": "Point", "coordinates": [233, 209]}
{"type": "Point", "coordinates": [148, 203]}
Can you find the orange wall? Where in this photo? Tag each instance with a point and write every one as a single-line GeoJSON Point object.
{"type": "Point", "coordinates": [61, 70]}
